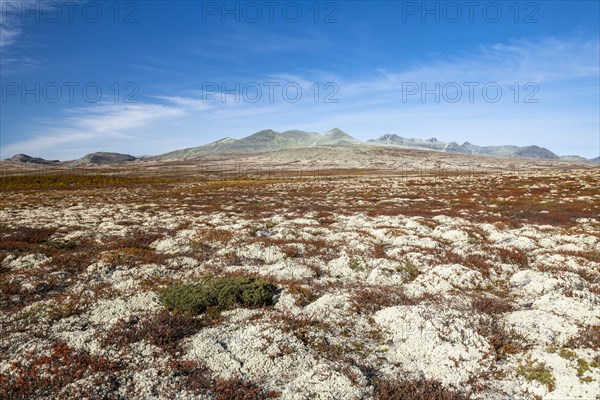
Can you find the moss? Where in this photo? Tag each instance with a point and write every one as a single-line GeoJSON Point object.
{"type": "Point", "coordinates": [270, 224]}
{"type": "Point", "coordinates": [218, 293]}
{"type": "Point", "coordinates": [355, 265]}
{"type": "Point", "coordinates": [410, 270]}
{"type": "Point", "coordinates": [568, 354]}
{"type": "Point", "coordinates": [533, 370]}
{"type": "Point", "coordinates": [582, 367]}
{"type": "Point", "coordinates": [33, 312]}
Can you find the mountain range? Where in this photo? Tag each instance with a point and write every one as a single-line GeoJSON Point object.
{"type": "Point", "coordinates": [468, 148]}
{"type": "Point", "coordinates": [269, 140]}
{"type": "Point", "coordinates": [265, 140]}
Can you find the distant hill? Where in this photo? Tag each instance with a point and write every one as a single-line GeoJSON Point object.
{"type": "Point", "coordinates": [597, 159]}
{"type": "Point", "coordinates": [263, 141]}
{"type": "Point", "coordinates": [535, 152]}
{"type": "Point", "coordinates": [466, 147]}
{"type": "Point", "coordinates": [573, 158]}
{"type": "Point", "coordinates": [103, 158]}
{"type": "Point", "coordinates": [24, 158]}
{"type": "Point", "coordinates": [98, 158]}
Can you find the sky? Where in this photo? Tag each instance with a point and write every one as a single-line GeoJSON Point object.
{"type": "Point", "coordinates": [148, 77]}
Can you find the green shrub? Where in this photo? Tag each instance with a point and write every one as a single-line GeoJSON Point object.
{"type": "Point", "coordinates": [218, 293]}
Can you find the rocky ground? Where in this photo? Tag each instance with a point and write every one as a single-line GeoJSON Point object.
{"type": "Point", "coordinates": [474, 287]}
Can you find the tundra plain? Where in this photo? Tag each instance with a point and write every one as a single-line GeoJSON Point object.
{"type": "Point", "coordinates": [380, 286]}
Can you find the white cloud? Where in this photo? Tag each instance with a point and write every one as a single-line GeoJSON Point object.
{"type": "Point", "coordinates": [12, 14]}
{"type": "Point", "coordinates": [8, 34]}
{"type": "Point", "coordinates": [98, 125]}
{"type": "Point", "coordinates": [542, 61]}
{"type": "Point", "coordinates": [186, 102]}
{"type": "Point", "coordinates": [119, 118]}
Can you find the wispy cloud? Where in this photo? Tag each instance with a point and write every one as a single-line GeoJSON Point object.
{"type": "Point", "coordinates": [242, 39]}
{"type": "Point", "coordinates": [101, 125]}
{"type": "Point", "coordinates": [542, 61]}
{"type": "Point", "coordinates": [186, 103]}
{"type": "Point", "coordinates": [17, 48]}
{"type": "Point", "coordinates": [119, 118]}
{"type": "Point", "coordinates": [10, 22]}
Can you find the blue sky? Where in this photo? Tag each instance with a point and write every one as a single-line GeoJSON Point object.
{"type": "Point", "coordinates": [147, 77]}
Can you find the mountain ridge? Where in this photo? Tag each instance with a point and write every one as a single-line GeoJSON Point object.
{"type": "Point", "coordinates": [263, 141]}
{"type": "Point", "coordinates": [532, 151]}
{"type": "Point", "coordinates": [24, 158]}
{"type": "Point", "coordinates": [269, 140]}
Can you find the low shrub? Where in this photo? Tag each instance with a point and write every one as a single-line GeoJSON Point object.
{"type": "Point", "coordinates": [15, 239]}
{"type": "Point", "coordinates": [504, 340]}
{"type": "Point", "coordinates": [303, 294]}
{"type": "Point", "coordinates": [513, 256]}
{"type": "Point", "coordinates": [72, 181]}
{"type": "Point", "coordinates": [198, 379]}
{"type": "Point", "coordinates": [417, 389]}
{"type": "Point", "coordinates": [492, 305]}
{"type": "Point", "coordinates": [588, 337]}
{"type": "Point", "coordinates": [163, 329]}
{"type": "Point", "coordinates": [218, 293]}
{"type": "Point", "coordinates": [43, 376]}
{"type": "Point", "coordinates": [476, 262]}
{"type": "Point", "coordinates": [370, 299]}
